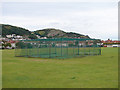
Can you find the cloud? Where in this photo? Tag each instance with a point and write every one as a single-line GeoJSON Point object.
{"type": "Point", "coordinates": [98, 20]}
{"type": "Point", "coordinates": [60, 0]}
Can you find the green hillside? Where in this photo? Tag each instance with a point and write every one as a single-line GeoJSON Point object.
{"type": "Point", "coordinates": [9, 29]}
{"type": "Point", "coordinates": [57, 33]}
{"type": "Point", "coordinates": [49, 32]}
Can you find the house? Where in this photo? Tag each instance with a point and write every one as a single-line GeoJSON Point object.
{"type": "Point", "coordinates": [38, 36]}
{"type": "Point", "coordinates": [110, 43]}
{"type": "Point", "coordinates": [9, 36]}
{"type": "Point", "coordinates": [43, 38]}
{"type": "Point", "coordinates": [13, 44]}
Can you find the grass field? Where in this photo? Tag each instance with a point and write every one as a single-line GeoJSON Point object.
{"type": "Point", "coordinates": [86, 72]}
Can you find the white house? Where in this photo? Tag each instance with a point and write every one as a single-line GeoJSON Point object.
{"type": "Point", "coordinates": [9, 36]}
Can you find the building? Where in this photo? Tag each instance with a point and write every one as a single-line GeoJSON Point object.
{"type": "Point", "coordinates": [111, 43]}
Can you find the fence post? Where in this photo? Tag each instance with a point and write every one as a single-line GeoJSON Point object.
{"type": "Point", "coordinates": [61, 46]}
{"type": "Point", "coordinates": [78, 47]}
{"type": "Point", "coordinates": [67, 48]}
{"type": "Point", "coordinates": [49, 50]}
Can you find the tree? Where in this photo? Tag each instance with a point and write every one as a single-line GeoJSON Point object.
{"type": "Point", "coordinates": [5, 45]}
{"type": "Point", "coordinates": [8, 44]}
{"type": "Point", "coordinates": [20, 45]}
{"type": "Point", "coordinates": [32, 36]}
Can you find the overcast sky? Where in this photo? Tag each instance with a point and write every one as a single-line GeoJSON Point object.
{"type": "Point", "coordinates": [98, 19]}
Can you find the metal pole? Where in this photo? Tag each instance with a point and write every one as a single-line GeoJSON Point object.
{"type": "Point", "coordinates": [78, 47]}
{"type": "Point", "coordinates": [38, 49]}
{"type": "Point", "coordinates": [89, 49]}
{"type": "Point", "coordinates": [73, 48]}
{"type": "Point", "coordinates": [26, 51]}
{"type": "Point", "coordinates": [84, 49]}
{"type": "Point", "coordinates": [55, 48]}
{"type": "Point", "coordinates": [67, 48]}
{"type": "Point", "coordinates": [61, 46]}
{"type": "Point", "coordinates": [49, 50]}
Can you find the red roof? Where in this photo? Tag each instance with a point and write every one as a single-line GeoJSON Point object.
{"type": "Point", "coordinates": [11, 41]}
{"type": "Point", "coordinates": [110, 41]}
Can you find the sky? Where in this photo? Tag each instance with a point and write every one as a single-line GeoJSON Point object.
{"type": "Point", "coordinates": [96, 18]}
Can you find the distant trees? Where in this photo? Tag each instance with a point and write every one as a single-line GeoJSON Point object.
{"type": "Point", "coordinates": [20, 45]}
{"type": "Point", "coordinates": [5, 44]}
{"type": "Point", "coordinates": [32, 36]}
{"type": "Point", "coordinates": [23, 45]}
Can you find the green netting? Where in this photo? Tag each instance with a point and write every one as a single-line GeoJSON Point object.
{"type": "Point", "coordinates": [58, 48]}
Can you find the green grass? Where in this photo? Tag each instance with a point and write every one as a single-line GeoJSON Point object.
{"type": "Point", "coordinates": [86, 72]}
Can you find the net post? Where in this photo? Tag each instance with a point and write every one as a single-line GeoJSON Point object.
{"type": "Point", "coordinates": [73, 48]}
{"type": "Point", "coordinates": [78, 47]}
{"type": "Point", "coordinates": [55, 48]}
{"type": "Point", "coordinates": [49, 50]}
{"type": "Point", "coordinates": [61, 46]}
{"type": "Point", "coordinates": [67, 47]}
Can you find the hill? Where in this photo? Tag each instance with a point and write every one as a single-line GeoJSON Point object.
{"type": "Point", "coordinates": [57, 33]}
{"type": "Point", "coordinates": [49, 32]}
{"type": "Point", "coordinates": [9, 29]}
